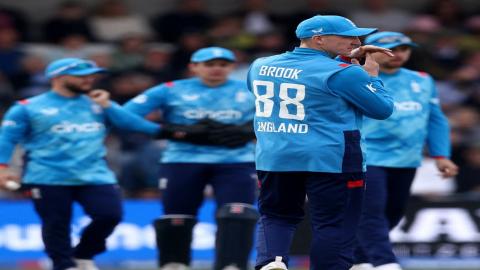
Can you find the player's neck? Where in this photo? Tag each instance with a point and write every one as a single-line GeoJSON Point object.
{"type": "Point", "coordinates": [388, 70]}
{"type": "Point", "coordinates": [213, 83]}
{"type": "Point", "coordinates": [63, 91]}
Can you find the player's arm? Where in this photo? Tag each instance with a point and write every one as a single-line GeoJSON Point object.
{"type": "Point", "coordinates": [15, 126]}
{"type": "Point", "coordinates": [121, 118]}
{"type": "Point", "coordinates": [365, 92]}
{"type": "Point", "coordinates": [152, 99]}
{"type": "Point", "coordinates": [438, 137]}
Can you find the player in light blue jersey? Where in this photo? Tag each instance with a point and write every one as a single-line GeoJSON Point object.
{"type": "Point", "coordinates": [309, 110]}
{"type": "Point", "coordinates": [63, 133]}
{"type": "Point", "coordinates": [208, 124]}
{"type": "Point", "coordinates": [394, 149]}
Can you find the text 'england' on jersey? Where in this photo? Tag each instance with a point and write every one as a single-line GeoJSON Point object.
{"type": "Point", "coordinates": [300, 124]}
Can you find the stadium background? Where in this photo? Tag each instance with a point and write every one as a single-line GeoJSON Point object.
{"type": "Point", "coordinates": [145, 42]}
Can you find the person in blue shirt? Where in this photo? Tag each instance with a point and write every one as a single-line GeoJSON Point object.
{"type": "Point", "coordinates": [309, 110]}
{"type": "Point", "coordinates": [208, 125]}
{"type": "Point", "coordinates": [394, 149]}
{"type": "Point", "coordinates": [63, 133]}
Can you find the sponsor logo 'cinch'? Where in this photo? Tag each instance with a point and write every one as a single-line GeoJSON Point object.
{"type": "Point", "coordinates": [67, 127]}
{"type": "Point", "coordinates": [217, 115]}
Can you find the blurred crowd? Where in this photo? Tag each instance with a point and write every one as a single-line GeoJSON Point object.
{"type": "Point", "coordinates": [143, 51]}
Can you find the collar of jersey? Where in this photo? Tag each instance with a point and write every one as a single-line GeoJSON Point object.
{"type": "Point", "coordinates": [56, 95]}
{"type": "Point", "coordinates": [310, 51]}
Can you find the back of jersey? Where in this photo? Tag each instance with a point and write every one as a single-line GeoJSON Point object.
{"type": "Point", "coordinates": [300, 124]}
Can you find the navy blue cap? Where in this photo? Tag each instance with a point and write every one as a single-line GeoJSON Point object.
{"type": "Point", "coordinates": [389, 40]}
{"type": "Point", "coordinates": [72, 67]}
{"type": "Point", "coordinates": [330, 25]}
{"type": "Point", "coordinates": [210, 53]}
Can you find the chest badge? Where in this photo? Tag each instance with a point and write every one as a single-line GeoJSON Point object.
{"type": "Point", "coordinates": [415, 86]}
{"type": "Point", "coordinates": [190, 97]}
{"type": "Point", "coordinates": [49, 111]}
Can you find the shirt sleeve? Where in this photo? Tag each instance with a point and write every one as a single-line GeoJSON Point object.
{"type": "Point", "coordinates": [438, 136]}
{"type": "Point", "coordinates": [152, 99]}
{"type": "Point", "coordinates": [126, 120]}
{"type": "Point", "coordinates": [15, 127]}
{"type": "Point", "coordinates": [365, 92]}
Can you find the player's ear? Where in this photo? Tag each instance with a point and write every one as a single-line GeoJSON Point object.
{"type": "Point", "coordinates": [318, 40]}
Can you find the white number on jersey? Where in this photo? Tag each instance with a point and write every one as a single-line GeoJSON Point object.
{"type": "Point", "coordinates": [264, 104]}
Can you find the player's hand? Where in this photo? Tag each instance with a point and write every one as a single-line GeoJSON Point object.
{"type": "Point", "coordinates": [370, 66]}
{"type": "Point", "coordinates": [9, 180]}
{"type": "Point", "coordinates": [232, 136]}
{"type": "Point", "coordinates": [362, 51]}
{"type": "Point", "coordinates": [195, 133]}
{"type": "Point", "coordinates": [446, 167]}
{"type": "Point", "coordinates": [101, 97]}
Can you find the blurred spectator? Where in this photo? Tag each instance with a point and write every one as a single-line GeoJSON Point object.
{"type": "Point", "coordinates": [268, 44]}
{"type": "Point", "coordinates": [156, 63]}
{"type": "Point", "coordinates": [288, 22]}
{"type": "Point", "coordinates": [468, 180]}
{"type": "Point", "coordinates": [113, 21]}
{"type": "Point", "coordinates": [448, 13]}
{"type": "Point", "coordinates": [257, 19]}
{"type": "Point", "coordinates": [14, 19]}
{"type": "Point", "coordinates": [190, 16]}
{"type": "Point", "coordinates": [187, 44]}
{"type": "Point", "coordinates": [127, 85]}
{"type": "Point", "coordinates": [139, 152]}
{"type": "Point", "coordinates": [31, 80]}
{"type": "Point", "coordinates": [227, 31]}
{"type": "Point", "coordinates": [11, 52]}
{"type": "Point", "coordinates": [70, 45]}
{"type": "Point", "coordinates": [129, 53]}
{"type": "Point", "coordinates": [69, 19]}
{"type": "Point", "coordinates": [6, 94]}
{"type": "Point", "coordinates": [378, 14]}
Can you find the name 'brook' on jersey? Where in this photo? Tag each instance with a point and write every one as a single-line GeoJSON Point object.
{"type": "Point", "coordinates": [301, 123]}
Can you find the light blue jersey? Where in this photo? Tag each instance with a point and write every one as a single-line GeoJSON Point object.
{"type": "Point", "coordinates": [309, 110]}
{"type": "Point", "coordinates": [189, 101]}
{"type": "Point", "coordinates": [64, 138]}
{"type": "Point", "coordinates": [418, 118]}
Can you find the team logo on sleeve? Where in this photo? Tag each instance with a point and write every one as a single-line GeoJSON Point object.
{"type": "Point", "coordinates": [371, 88]}
{"type": "Point", "coordinates": [140, 99]}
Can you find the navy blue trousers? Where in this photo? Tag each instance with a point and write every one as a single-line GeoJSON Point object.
{"type": "Point", "coordinates": [102, 203]}
{"type": "Point", "coordinates": [183, 185]}
{"type": "Point", "coordinates": [386, 195]}
{"type": "Point", "coordinates": [334, 202]}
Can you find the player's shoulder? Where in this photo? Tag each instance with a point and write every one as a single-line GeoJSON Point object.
{"type": "Point", "coordinates": [37, 100]}
{"type": "Point", "coordinates": [268, 59]}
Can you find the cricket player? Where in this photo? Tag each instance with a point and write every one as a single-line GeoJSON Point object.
{"type": "Point", "coordinates": [394, 149]}
{"type": "Point", "coordinates": [309, 110]}
{"type": "Point", "coordinates": [63, 133]}
{"type": "Point", "coordinates": [213, 146]}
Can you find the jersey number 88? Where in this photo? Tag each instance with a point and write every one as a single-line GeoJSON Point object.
{"type": "Point", "coordinates": [264, 103]}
